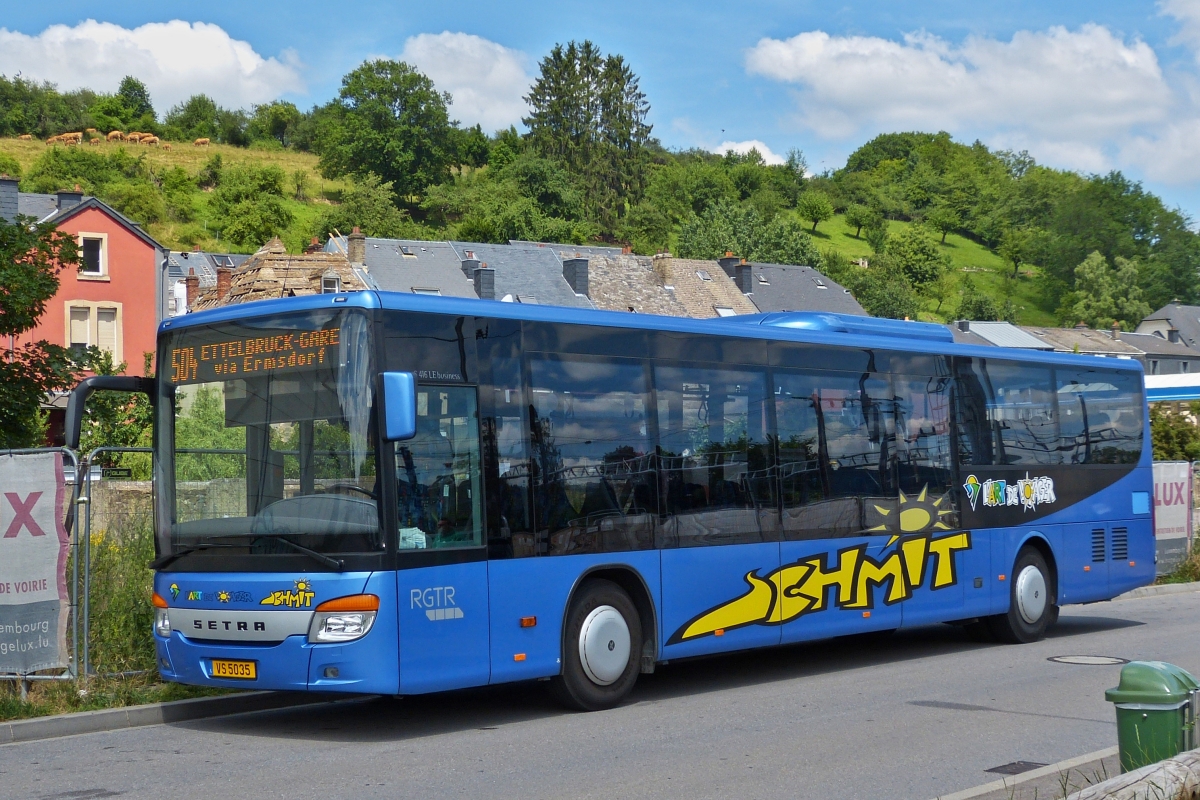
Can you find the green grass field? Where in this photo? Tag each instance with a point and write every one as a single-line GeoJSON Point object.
{"type": "Point", "coordinates": [990, 273]}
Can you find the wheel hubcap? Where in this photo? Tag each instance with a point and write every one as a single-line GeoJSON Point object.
{"type": "Point", "coordinates": [1031, 594]}
{"type": "Point", "coordinates": [604, 645]}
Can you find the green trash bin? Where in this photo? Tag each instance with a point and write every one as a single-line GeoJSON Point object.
{"type": "Point", "coordinates": [1155, 712]}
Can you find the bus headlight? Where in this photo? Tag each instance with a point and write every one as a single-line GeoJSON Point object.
{"type": "Point", "coordinates": [343, 619]}
{"type": "Point", "coordinates": [162, 622]}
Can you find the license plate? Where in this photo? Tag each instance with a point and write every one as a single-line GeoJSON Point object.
{"type": "Point", "coordinates": [238, 670]}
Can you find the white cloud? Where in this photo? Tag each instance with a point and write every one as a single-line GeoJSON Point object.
{"type": "Point", "coordinates": [1187, 13]}
{"type": "Point", "coordinates": [1057, 85]}
{"type": "Point", "coordinates": [486, 80]}
{"type": "Point", "coordinates": [174, 59]}
{"type": "Point", "coordinates": [741, 148]}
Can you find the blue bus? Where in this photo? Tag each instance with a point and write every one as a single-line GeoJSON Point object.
{"type": "Point", "coordinates": [396, 494]}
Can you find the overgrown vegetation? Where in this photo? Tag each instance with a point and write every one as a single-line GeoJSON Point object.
{"type": "Point", "coordinates": [915, 223]}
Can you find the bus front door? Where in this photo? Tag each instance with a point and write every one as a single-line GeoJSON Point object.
{"type": "Point", "coordinates": [442, 580]}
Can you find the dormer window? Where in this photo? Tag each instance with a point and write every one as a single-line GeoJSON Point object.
{"type": "Point", "coordinates": [763, 279]}
{"type": "Point", "coordinates": [331, 284]}
{"type": "Point", "coordinates": [703, 275]}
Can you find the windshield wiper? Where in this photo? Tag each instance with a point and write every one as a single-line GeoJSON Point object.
{"type": "Point", "coordinates": [336, 563]}
{"type": "Point", "coordinates": [163, 561]}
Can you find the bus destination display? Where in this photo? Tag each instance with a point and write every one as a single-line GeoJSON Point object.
{"type": "Point", "coordinates": [253, 355]}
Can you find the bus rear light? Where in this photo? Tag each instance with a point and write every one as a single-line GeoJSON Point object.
{"type": "Point", "coordinates": [158, 601]}
{"type": "Point", "coordinates": [343, 619]}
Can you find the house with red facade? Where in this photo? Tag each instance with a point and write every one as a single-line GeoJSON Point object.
{"type": "Point", "coordinates": [116, 299]}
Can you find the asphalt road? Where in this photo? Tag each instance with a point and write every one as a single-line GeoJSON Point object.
{"type": "Point", "coordinates": [922, 714]}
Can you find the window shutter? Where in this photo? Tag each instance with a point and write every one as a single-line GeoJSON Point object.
{"type": "Point", "coordinates": [106, 329]}
{"type": "Point", "coordinates": [80, 323]}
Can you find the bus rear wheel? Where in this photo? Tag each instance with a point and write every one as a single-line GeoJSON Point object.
{"type": "Point", "coordinates": [601, 648]}
{"type": "Point", "coordinates": [1031, 601]}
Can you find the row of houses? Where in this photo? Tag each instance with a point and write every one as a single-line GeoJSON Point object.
{"type": "Point", "coordinates": [129, 283]}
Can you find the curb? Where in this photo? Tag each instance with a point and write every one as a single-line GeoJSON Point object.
{"type": "Point", "coordinates": [1032, 775]}
{"type": "Point", "coordinates": [1154, 591]}
{"type": "Point", "coordinates": [112, 719]}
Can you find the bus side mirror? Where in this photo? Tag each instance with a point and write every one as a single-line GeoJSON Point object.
{"type": "Point", "coordinates": [399, 406]}
{"type": "Point", "coordinates": [110, 383]}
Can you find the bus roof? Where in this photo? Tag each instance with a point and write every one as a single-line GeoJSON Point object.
{"type": "Point", "coordinates": [795, 326]}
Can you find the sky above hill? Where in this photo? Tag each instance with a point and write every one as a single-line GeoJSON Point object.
{"type": "Point", "coordinates": [1087, 86]}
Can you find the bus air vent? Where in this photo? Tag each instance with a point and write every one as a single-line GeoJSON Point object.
{"type": "Point", "coordinates": [1097, 544]}
{"type": "Point", "coordinates": [1120, 544]}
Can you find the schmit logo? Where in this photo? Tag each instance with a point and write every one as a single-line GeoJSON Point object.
{"type": "Point", "coordinates": [437, 602]}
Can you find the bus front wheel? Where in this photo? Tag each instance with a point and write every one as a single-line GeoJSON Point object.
{"type": "Point", "coordinates": [1032, 602]}
{"type": "Point", "coordinates": [601, 648]}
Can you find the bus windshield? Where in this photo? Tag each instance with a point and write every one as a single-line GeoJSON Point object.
{"type": "Point", "coordinates": [265, 438]}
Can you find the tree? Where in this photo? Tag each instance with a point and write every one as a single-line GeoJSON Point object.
{"type": "Point", "coordinates": [1175, 437]}
{"type": "Point", "coordinates": [975, 305]}
{"type": "Point", "coordinates": [882, 290]}
{"type": "Point", "coordinates": [917, 256]}
{"type": "Point", "coordinates": [135, 97]}
{"type": "Point", "coordinates": [1104, 295]}
{"type": "Point", "coordinates": [877, 235]}
{"type": "Point", "coordinates": [369, 205]}
{"type": "Point", "coordinates": [944, 220]}
{"type": "Point", "coordinates": [389, 120]}
{"type": "Point", "coordinates": [730, 227]}
{"type": "Point", "coordinates": [588, 111]}
{"type": "Point", "coordinates": [815, 207]}
{"type": "Point", "coordinates": [249, 204]}
{"type": "Point", "coordinates": [273, 121]}
{"type": "Point", "coordinates": [199, 117]}
{"type": "Point", "coordinates": [32, 255]}
{"type": "Point", "coordinates": [859, 216]}
{"type": "Point", "coordinates": [1014, 247]}
{"type": "Point", "coordinates": [115, 419]}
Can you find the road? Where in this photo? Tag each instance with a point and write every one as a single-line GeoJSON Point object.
{"type": "Point", "coordinates": [923, 713]}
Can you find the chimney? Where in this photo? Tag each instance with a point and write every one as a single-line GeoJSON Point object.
{"type": "Point", "coordinates": [315, 246]}
{"type": "Point", "coordinates": [1173, 335]}
{"type": "Point", "coordinates": [193, 286]}
{"type": "Point", "coordinates": [195, 249]}
{"type": "Point", "coordinates": [224, 282]}
{"type": "Point", "coordinates": [469, 263]}
{"type": "Point", "coordinates": [744, 277]}
{"type": "Point", "coordinates": [1081, 326]}
{"type": "Point", "coordinates": [8, 198]}
{"type": "Point", "coordinates": [964, 324]}
{"type": "Point", "coordinates": [68, 199]}
{"type": "Point", "coordinates": [485, 283]}
{"type": "Point", "coordinates": [1116, 330]}
{"type": "Point", "coordinates": [356, 247]}
{"type": "Point", "coordinates": [575, 270]}
{"type": "Point", "coordinates": [728, 263]}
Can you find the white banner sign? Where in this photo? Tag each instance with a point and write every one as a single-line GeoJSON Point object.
{"type": "Point", "coordinates": [33, 563]}
{"type": "Point", "coordinates": [1172, 499]}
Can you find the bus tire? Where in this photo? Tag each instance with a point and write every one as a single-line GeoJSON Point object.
{"type": "Point", "coordinates": [1031, 601]}
{"type": "Point", "coordinates": [602, 647]}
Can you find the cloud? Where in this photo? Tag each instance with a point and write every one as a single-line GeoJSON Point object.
{"type": "Point", "coordinates": [1187, 14]}
{"type": "Point", "coordinates": [1082, 85]}
{"type": "Point", "coordinates": [174, 59]}
{"type": "Point", "coordinates": [486, 80]}
{"type": "Point", "coordinates": [741, 148]}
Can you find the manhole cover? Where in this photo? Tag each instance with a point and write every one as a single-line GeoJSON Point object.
{"type": "Point", "coordinates": [1089, 661]}
{"type": "Point", "coordinates": [1015, 768]}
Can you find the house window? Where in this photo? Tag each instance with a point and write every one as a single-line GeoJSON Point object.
{"type": "Point", "coordinates": [331, 284]}
{"type": "Point", "coordinates": [92, 256]}
{"type": "Point", "coordinates": [820, 283]}
{"type": "Point", "coordinates": [1183, 366]}
{"type": "Point", "coordinates": [81, 328]}
{"type": "Point", "coordinates": [703, 275]}
{"type": "Point", "coordinates": [724, 311]}
{"type": "Point", "coordinates": [528, 299]}
{"type": "Point", "coordinates": [763, 279]}
{"type": "Point", "coordinates": [1153, 367]}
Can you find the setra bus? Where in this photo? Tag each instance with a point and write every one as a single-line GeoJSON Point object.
{"type": "Point", "coordinates": [395, 494]}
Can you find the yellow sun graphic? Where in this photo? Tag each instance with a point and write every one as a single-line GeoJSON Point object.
{"type": "Point", "coordinates": [303, 585]}
{"type": "Point", "coordinates": [916, 515]}
{"type": "Point", "coordinates": [223, 597]}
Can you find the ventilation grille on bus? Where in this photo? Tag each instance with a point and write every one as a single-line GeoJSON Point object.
{"type": "Point", "coordinates": [1097, 544]}
{"type": "Point", "coordinates": [1120, 545]}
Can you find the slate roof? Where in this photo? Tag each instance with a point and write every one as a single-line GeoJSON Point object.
{"type": "Point", "coordinates": [1083, 340]}
{"type": "Point", "coordinates": [526, 273]}
{"type": "Point", "coordinates": [273, 272]}
{"type": "Point", "coordinates": [1156, 345]}
{"type": "Point", "coordinates": [779, 287]}
{"type": "Point", "coordinates": [699, 296]}
{"type": "Point", "coordinates": [180, 262]}
{"type": "Point", "coordinates": [44, 207]}
{"type": "Point", "coordinates": [570, 250]}
{"type": "Point", "coordinates": [1185, 319]}
{"type": "Point", "coordinates": [403, 265]}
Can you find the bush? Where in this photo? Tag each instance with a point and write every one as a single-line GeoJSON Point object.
{"type": "Point", "coordinates": [9, 166]}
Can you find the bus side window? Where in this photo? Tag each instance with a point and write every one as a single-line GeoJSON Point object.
{"type": "Point", "coordinates": [924, 464]}
{"type": "Point", "coordinates": [1099, 416]}
{"type": "Point", "coordinates": [594, 480]}
{"type": "Point", "coordinates": [505, 454]}
{"type": "Point", "coordinates": [973, 426]}
{"type": "Point", "coordinates": [1021, 411]}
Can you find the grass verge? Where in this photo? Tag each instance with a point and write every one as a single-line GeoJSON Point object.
{"type": "Point", "coordinates": [63, 697]}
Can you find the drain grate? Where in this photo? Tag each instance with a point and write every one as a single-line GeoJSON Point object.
{"type": "Point", "coordinates": [1089, 661]}
{"type": "Point", "coordinates": [1015, 768]}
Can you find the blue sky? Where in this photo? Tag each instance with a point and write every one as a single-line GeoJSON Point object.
{"type": "Point", "coordinates": [1087, 86]}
